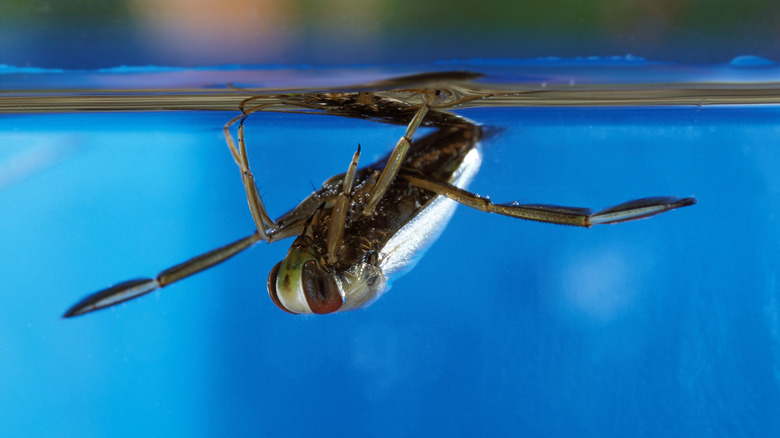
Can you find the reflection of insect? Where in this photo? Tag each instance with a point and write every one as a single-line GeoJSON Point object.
{"type": "Point", "coordinates": [366, 225]}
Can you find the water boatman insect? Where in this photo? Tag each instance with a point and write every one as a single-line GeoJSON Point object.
{"type": "Point", "coordinates": [365, 226]}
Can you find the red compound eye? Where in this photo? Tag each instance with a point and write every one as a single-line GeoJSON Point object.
{"type": "Point", "coordinates": [320, 289]}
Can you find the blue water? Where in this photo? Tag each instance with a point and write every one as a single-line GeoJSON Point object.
{"type": "Point", "coordinates": [663, 327]}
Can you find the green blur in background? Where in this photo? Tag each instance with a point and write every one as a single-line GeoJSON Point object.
{"type": "Point", "coordinates": [95, 34]}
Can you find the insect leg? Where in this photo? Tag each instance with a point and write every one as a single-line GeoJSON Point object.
{"type": "Point", "coordinates": [229, 139]}
{"type": "Point", "coordinates": [269, 231]}
{"type": "Point", "coordinates": [226, 127]}
{"type": "Point", "coordinates": [262, 220]}
{"type": "Point", "coordinates": [581, 217]}
{"type": "Point", "coordinates": [135, 288]}
{"type": "Point", "coordinates": [265, 225]}
{"type": "Point", "coordinates": [397, 156]}
{"type": "Point", "coordinates": [338, 217]}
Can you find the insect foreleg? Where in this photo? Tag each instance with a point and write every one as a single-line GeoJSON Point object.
{"type": "Point", "coordinates": [265, 225]}
{"type": "Point", "coordinates": [397, 156]}
{"type": "Point", "coordinates": [338, 217]}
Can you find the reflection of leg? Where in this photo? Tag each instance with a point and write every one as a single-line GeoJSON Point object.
{"type": "Point", "coordinates": [582, 217]}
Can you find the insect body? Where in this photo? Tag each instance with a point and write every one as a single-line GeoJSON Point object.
{"type": "Point", "coordinates": [323, 273]}
{"type": "Point", "coordinates": [367, 225]}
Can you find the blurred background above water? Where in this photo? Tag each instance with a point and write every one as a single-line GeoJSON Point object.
{"type": "Point", "coordinates": [92, 34]}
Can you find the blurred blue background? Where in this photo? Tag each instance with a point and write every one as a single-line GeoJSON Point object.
{"type": "Point", "coordinates": [663, 327]}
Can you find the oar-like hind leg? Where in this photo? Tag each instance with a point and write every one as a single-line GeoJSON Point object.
{"type": "Point", "coordinates": [577, 216]}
